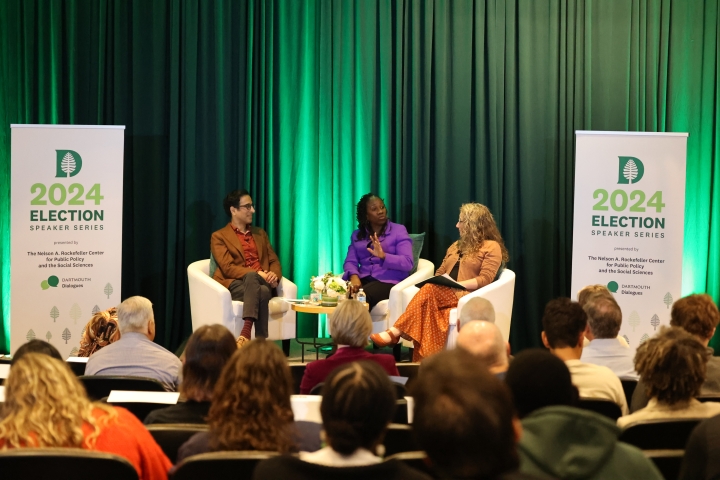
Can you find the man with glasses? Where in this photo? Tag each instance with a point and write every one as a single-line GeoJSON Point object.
{"type": "Point", "coordinates": [246, 263]}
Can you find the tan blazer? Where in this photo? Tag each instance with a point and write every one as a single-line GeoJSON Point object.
{"type": "Point", "coordinates": [482, 265]}
{"type": "Point", "coordinates": [230, 258]}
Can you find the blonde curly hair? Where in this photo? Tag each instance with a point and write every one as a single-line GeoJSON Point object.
{"type": "Point", "coordinates": [46, 406]}
{"type": "Point", "coordinates": [479, 226]}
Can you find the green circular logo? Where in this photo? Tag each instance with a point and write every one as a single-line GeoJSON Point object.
{"type": "Point", "coordinates": [44, 285]}
{"type": "Point", "coordinates": [612, 286]}
{"type": "Point", "coordinates": [53, 281]}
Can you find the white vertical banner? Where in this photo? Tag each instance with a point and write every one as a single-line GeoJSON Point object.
{"type": "Point", "coordinates": [66, 230]}
{"type": "Point", "coordinates": [629, 223]}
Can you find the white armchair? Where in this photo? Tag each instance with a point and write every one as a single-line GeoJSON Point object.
{"type": "Point", "coordinates": [211, 303]}
{"type": "Point", "coordinates": [385, 314]}
{"type": "Point", "coordinates": [500, 293]}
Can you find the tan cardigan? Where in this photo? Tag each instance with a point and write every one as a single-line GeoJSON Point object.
{"type": "Point", "coordinates": [482, 265]}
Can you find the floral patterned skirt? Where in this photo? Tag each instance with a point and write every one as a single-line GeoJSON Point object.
{"type": "Point", "coordinates": [427, 319]}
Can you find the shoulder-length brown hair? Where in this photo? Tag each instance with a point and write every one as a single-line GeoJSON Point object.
{"type": "Point", "coordinates": [251, 403]}
{"type": "Point", "coordinates": [208, 350]}
{"type": "Point", "coordinates": [479, 226]}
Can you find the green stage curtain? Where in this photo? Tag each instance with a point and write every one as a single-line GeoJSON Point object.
{"type": "Point", "coordinates": [310, 104]}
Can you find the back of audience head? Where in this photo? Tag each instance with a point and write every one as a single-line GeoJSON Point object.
{"type": "Point", "coordinates": [46, 405]}
{"type": "Point", "coordinates": [604, 317]}
{"type": "Point", "coordinates": [696, 314]}
{"type": "Point", "coordinates": [464, 418]}
{"type": "Point", "coordinates": [36, 346]}
{"type": "Point", "coordinates": [357, 405]}
{"type": "Point", "coordinates": [672, 365]}
{"type": "Point", "coordinates": [592, 291]}
{"type": "Point", "coordinates": [476, 309]}
{"type": "Point", "coordinates": [251, 409]}
{"type": "Point", "coordinates": [350, 324]}
{"type": "Point", "coordinates": [539, 379]}
{"type": "Point", "coordinates": [208, 350]}
{"type": "Point", "coordinates": [135, 314]}
{"type": "Point", "coordinates": [564, 323]}
{"type": "Point", "coordinates": [485, 341]}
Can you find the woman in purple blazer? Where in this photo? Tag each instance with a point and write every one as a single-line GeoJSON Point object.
{"type": "Point", "coordinates": [350, 326]}
{"type": "Point", "coordinates": [380, 253]}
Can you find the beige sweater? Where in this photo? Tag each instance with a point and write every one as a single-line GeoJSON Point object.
{"type": "Point", "coordinates": [482, 265]}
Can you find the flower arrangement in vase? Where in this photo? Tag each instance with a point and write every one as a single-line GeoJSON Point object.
{"type": "Point", "coordinates": [332, 288]}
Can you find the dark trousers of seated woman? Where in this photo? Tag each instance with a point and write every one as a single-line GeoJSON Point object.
{"type": "Point", "coordinates": [375, 291]}
{"type": "Point", "coordinates": [255, 293]}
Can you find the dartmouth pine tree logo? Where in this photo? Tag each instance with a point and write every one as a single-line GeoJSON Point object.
{"type": "Point", "coordinates": [74, 352]}
{"type": "Point", "coordinates": [66, 335]}
{"type": "Point", "coordinates": [30, 335]}
{"type": "Point", "coordinates": [634, 320]}
{"type": "Point", "coordinates": [630, 170]}
{"type": "Point", "coordinates": [644, 338]}
{"type": "Point", "coordinates": [68, 163]}
{"type": "Point", "coordinates": [626, 339]}
{"type": "Point", "coordinates": [108, 290]}
{"type": "Point", "coordinates": [48, 335]}
{"type": "Point", "coordinates": [667, 299]}
{"type": "Point", "coordinates": [655, 321]}
{"type": "Point", "coordinates": [54, 313]}
{"type": "Point", "coordinates": [75, 312]}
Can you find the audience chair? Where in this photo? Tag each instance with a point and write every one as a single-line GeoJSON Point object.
{"type": "Point", "coordinates": [56, 463]}
{"type": "Point", "coordinates": [139, 409]}
{"type": "Point", "coordinates": [78, 368]}
{"type": "Point", "coordinates": [604, 407]}
{"type": "Point", "coordinates": [629, 388]}
{"type": "Point", "coordinates": [298, 371]}
{"type": "Point", "coordinates": [659, 434]}
{"type": "Point", "coordinates": [211, 303]}
{"type": "Point", "coordinates": [401, 412]}
{"type": "Point", "coordinates": [410, 371]}
{"type": "Point", "coordinates": [399, 438]}
{"type": "Point", "coordinates": [668, 462]}
{"type": "Point", "coordinates": [500, 293]}
{"type": "Point", "coordinates": [385, 313]}
{"type": "Point", "coordinates": [100, 386]}
{"type": "Point", "coordinates": [416, 459]}
{"type": "Point", "coordinates": [709, 398]}
{"type": "Point", "coordinates": [235, 465]}
{"type": "Point", "coordinates": [400, 390]}
{"type": "Point", "coordinates": [171, 436]}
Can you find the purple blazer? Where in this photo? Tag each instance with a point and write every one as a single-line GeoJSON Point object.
{"type": "Point", "coordinates": [317, 371]}
{"type": "Point", "coordinates": [398, 261]}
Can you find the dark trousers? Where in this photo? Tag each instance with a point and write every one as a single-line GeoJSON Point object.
{"type": "Point", "coordinates": [375, 290]}
{"type": "Point", "coordinates": [255, 293]}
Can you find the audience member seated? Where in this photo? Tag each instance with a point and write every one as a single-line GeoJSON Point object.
{"type": "Point", "coordinates": [357, 405]}
{"type": "Point", "coordinates": [476, 309]}
{"type": "Point", "coordinates": [208, 350]}
{"type": "Point", "coordinates": [350, 326]}
{"type": "Point", "coordinates": [564, 323]}
{"type": "Point", "coordinates": [590, 291]}
{"type": "Point", "coordinates": [135, 354]}
{"type": "Point", "coordinates": [46, 406]}
{"type": "Point", "coordinates": [698, 315]}
{"type": "Point", "coordinates": [604, 319]}
{"type": "Point", "coordinates": [465, 420]}
{"type": "Point", "coordinates": [35, 346]}
{"type": "Point", "coordinates": [100, 331]}
{"type": "Point", "coordinates": [672, 365]}
{"type": "Point", "coordinates": [702, 453]}
{"type": "Point", "coordinates": [485, 341]}
{"type": "Point", "coordinates": [559, 440]}
{"type": "Point", "coordinates": [250, 409]}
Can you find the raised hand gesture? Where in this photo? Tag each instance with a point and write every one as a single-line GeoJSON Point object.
{"type": "Point", "coordinates": [376, 249]}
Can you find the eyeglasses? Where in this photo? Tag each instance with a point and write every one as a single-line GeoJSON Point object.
{"type": "Point", "coordinates": [247, 206]}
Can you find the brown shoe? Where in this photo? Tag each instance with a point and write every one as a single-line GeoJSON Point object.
{"type": "Point", "coordinates": [242, 341]}
{"type": "Point", "coordinates": [380, 343]}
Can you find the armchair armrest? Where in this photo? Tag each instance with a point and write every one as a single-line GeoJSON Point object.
{"type": "Point", "coordinates": [396, 306]}
{"type": "Point", "coordinates": [210, 302]}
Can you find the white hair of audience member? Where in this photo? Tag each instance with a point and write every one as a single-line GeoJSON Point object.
{"type": "Point", "coordinates": [484, 340]}
{"type": "Point", "coordinates": [135, 315]}
{"type": "Point", "coordinates": [476, 309]}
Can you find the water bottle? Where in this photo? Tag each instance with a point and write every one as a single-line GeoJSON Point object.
{"type": "Point", "coordinates": [361, 296]}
